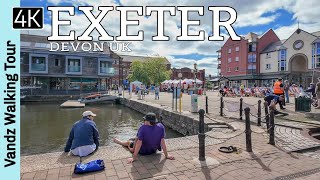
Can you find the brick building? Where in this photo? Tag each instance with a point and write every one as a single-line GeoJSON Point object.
{"type": "Point", "coordinates": [239, 61]}
{"type": "Point", "coordinates": [188, 73]}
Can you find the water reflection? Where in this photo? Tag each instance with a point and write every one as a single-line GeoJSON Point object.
{"type": "Point", "coordinates": [45, 127]}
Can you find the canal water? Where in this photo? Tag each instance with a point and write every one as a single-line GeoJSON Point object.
{"type": "Point", "coordinates": [45, 127]}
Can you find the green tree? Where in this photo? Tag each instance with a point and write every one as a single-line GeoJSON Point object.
{"type": "Point", "coordinates": [151, 71]}
{"type": "Point", "coordinates": [208, 85]}
{"type": "Point", "coordinates": [138, 72]}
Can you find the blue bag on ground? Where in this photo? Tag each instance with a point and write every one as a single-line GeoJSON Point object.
{"type": "Point", "coordinates": [96, 165]}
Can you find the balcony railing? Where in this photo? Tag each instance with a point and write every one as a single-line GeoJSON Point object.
{"type": "Point", "coordinates": [106, 70]}
{"type": "Point", "coordinates": [73, 68]}
{"type": "Point", "coordinates": [38, 67]}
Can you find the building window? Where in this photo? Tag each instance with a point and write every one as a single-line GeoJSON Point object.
{"type": "Point", "coordinates": [237, 69]}
{"type": "Point", "coordinates": [316, 55]}
{"type": "Point", "coordinates": [38, 63]}
{"type": "Point", "coordinates": [282, 60]}
{"type": "Point", "coordinates": [229, 69]}
{"type": "Point", "coordinates": [237, 58]}
{"type": "Point", "coordinates": [252, 58]}
{"type": "Point", "coordinates": [229, 51]}
{"type": "Point", "coordinates": [105, 67]}
{"type": "Point", "coordinates": [252, 47]}
{"type": "Point", "coordinates": [73, 65]}
{"type": "Point", "coordinates": [237, 48]}
{"type": "Point", "coordinates": [268, 55]}
{"type": "Point", "coordinates": [229, 60]}
{"type": "Point", "coordinates": [252, 69]}
{"type": "Point", "coordinates": [57, 62]}
{"type": "Point", "coordinates": [268, 66]}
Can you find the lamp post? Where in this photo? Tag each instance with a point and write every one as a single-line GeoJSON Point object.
{"type": "Point", "coordinates": [195, 76]}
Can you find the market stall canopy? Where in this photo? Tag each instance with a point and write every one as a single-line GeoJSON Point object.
{"type": "Point", "coordinates": [136, 82]}
{"type": "Point", "coordinates": [187, 81]}
{"type": "Point", "coordinates": [214, 80]}
{"type": "Point", "coordinates": [198, 81]}
{"type": "Point", "coordinates": [176, 81]}
{"type": "Point", "coordinates": [165, 82]}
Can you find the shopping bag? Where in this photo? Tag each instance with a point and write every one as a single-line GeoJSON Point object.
{"type": "Point", "coordinates": [92, 166]}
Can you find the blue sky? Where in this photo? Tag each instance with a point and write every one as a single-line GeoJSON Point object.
{"type": "Point", "coordinates": [253, 16]}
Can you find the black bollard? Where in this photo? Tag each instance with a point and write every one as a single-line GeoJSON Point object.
{"type": "Point", "coordinates": [207, 106]}
{"type": "Point", "coordinates": [267, 115]}
{"type": "Point", "coordinates": [221, 106]}
{"type": "Point", "coordinates": [248, 129]}
{"type": "Point", "coordinates": [271, 139]}
{"type": "Point", "coordinates": [176, 98]}
{"type": "Point", "coordinates": [173, 100]}
{"type": "Point", "coordinates": [259, 113]}
{"type": "Point", "coordinates": [241, 108]}
{"type": "Point", "coordinates": [201, 136]}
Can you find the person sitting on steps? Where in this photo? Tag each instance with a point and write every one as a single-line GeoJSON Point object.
{"type": "Point", "coordinates": [150, 138]}
{"type": "Point", "coordinates": [84, 136]}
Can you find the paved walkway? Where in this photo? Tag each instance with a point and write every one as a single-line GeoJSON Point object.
{"type": "Point", "coordinates": [214, 104]}
{"type": "Point", "coordinates": [266, 161]}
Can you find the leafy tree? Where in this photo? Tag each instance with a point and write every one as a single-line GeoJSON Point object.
{"type": "Point", "coordinates": [151, 71]}
{"type": "Point", "coordinates": [208, 85]}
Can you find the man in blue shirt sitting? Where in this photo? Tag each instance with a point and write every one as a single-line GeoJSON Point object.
{"type": "Point", "coordinates": [84, 136]}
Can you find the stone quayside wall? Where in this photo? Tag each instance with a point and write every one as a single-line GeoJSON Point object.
{"type": "Point", "coordinates": [181, 123]}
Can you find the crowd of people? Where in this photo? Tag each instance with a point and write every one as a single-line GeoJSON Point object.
{"type": "Point", "coordinates": [84, 138]}
{"type": "Point", "coordinates": [279, 94]}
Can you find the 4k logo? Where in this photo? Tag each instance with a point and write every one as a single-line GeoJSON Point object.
{"type": "Point", "coordinates": [27, 18]}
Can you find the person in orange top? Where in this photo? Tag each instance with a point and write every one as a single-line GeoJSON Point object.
{"type": "Point", "coordinates": [278, 90]}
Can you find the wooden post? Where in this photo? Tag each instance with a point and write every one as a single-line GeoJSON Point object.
{"type": "Point", "coordinates": [201, 136]}
{"type": "Point", "coordinates": [248, 130]}
{"type": "Point", "coordinates": [207, 108]}
{"type": "Point", "coordinates": [271, 136]}
{"type": "Point", "coordinates": [221, 106]}
{"type": "Point", "coordinates": [259, 113]}
{"type": "Point", "coordinates": [241, 108]}
{"type": "Point", "coordinates": [266, 109]}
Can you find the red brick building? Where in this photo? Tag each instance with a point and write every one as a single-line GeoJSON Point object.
{"type": "Point", "coordinates": [239, 60]}
{"type": "Point", "coordinates": [187, 73]}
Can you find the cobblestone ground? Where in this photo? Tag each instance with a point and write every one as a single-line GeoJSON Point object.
{"type": "Point", "coordinates": [313, 154]}
{"type": "Point", "coordinates": [232, 104]}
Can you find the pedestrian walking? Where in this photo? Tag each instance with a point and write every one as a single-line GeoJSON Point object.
{"type": "Point", "coordinates": [286, 90]}
{"type": "Point", "coordinates": [157, 91]}
{"type": "Point", "coordinates": [317, 91]}
{"type": "Point", "coordinates": [279, 90]}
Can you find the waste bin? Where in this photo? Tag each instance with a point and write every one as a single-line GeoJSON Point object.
{"type": "Point", "coordinates": [194, 103]}
{"type": "Point", "coordinates": [302, 104]}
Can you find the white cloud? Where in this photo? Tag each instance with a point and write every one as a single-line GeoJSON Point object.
{"type": "Point", "coordinates": [250, 13]}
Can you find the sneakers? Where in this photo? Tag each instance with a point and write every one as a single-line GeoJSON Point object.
{"type": "Point", "coordinates": [282, 108]}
